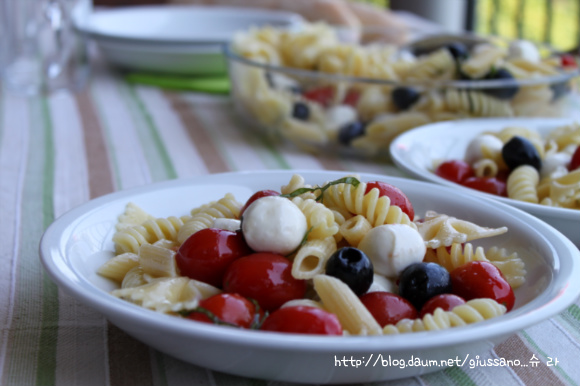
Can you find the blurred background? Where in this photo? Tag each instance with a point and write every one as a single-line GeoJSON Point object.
{"type": "Point", "coordinates": [556, 22]}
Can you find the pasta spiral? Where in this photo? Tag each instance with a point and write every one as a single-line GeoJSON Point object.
{"type": "Point", "coordinates": [510, 265]}
{"type": "Point", "coordinates": [130, 239]}
{"type": "Point", "coordinates": [437, 65]}
{"type": "Point", "coordinates": [226, 207]}
{"type": "Point", "coordinates": [377, 210]}
{"type": "Point", "coordinates": [476, 104]}
{"type": "Point", "coordinates": [522, 184]}
{"type": "Point", "coordinates": [320, 219]}
{"type": "Point", "coordinates": [475, 310]}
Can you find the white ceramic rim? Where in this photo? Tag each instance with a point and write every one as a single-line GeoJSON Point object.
{"type": "Point", "coordinates": [53, 260]}
{"type": "Point", "coordinates": [260, 15]}
{"type": "Point", "coordinates": [464, 126]}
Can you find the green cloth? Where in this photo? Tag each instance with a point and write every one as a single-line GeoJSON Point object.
{"type": "Point", "coordinates": [212, 85]}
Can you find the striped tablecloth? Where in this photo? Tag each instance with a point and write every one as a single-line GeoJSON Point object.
{"type": "Point", "coordinates": [60, 151]}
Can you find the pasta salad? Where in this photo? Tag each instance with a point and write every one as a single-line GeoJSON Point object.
{"type": "Point", "coordinates": [519, 163]}
{"type": "Point", "coordinates": [346, 257]}
{"type": "Point", "coordinates": [314, 89]}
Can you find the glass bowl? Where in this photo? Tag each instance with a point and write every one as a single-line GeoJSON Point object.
{"type": "Point", "coordinates": [353, 92]}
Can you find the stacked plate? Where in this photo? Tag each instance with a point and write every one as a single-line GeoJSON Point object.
{"type": "Point", "coordinates": [184, 40]}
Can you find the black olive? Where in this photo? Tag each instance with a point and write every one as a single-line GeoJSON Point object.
{"type": "Point", "coordinates": [405, 97]}
{"type": "Point", "coordinates": [458, 50]}
{"type": "Point", "coordinates": [350, 131]}
{"type": "Point", "coordinates": [559, 89]}
{"type": "Point", "coordinates": [519, 151]}
{"type": "Point", "coordinates": [419, 282]}
{"type": "Point", "coordinates": [301, 111]}
{"type": "Point", "coordinates": [504, 92]}
{"type": "Point", "coordinates": [353, 267]}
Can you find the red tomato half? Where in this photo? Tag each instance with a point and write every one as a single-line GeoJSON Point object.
{"type": "Point", "coordinates": [487, 184]}
{"type": "Point", "coordinates": [455, 170]}
{"type": "Point", "coordinates": [206, 254]}
{"type": "Point", "coordinates": [444, 301]}
{"type": "Point", "coordinates": [575, 162]}
{"type": "Point", "coordinates": [481, 279]}
{"type": "Point", "coordinates": [395, 194]}
{"type": "Point", "coordinates": [265, 277]}
{"type": "Point", "coordinates": [568, 60]}
{"type": "Point", "coordinates": [303, 320]}
{"type": "Point", "coordinates": [321, 95]}
{"type": "Point", "coordinates": [388, 308]}
{"type": "Point", "coordinates": [228, 309]}
{"type": "Point", "coordinates": [255, 196]}
{"type": "Point", "coordinates": [351, 98]}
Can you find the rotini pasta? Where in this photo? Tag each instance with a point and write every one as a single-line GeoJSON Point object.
{"type": "Point", "coordinates": [131, 238]}
{"type": "Point", "coordinates": [226, 207]}
{"type": "Point", "coordinates": [369, 79]}
{"type": "Point", "coordinates": [522, 184]}
{"type": "Point", "coordinates": [377, 210]}
{"type": "Point", "coordinates": [334, 228]}
{"type": "Point", "coordinates": [476, 310]}
{"type": "Point", "coordinates": [510, 265]}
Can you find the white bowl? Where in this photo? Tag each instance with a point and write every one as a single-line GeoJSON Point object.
{"type": "Point", "coordinates": [177, 39]}
{"type": "Point", "coordinates": [77, 243]}
{"type": "Point", "coordinates": [416, 150]}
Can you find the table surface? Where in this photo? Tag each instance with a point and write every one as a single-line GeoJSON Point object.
{"type": "Point", "coordinates": [60, 151]}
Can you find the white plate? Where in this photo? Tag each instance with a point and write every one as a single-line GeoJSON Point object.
{"type": "Point", "coordinates": [175, 39]}
{"type": "Point", "coordinates": [416, 150]}
{"type": "Point", "coordinates": [77, 243]}
{"type": "Point", "coordinates": [181, 24]}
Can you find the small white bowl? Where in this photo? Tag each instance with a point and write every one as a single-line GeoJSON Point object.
{"type": "Point", "coordinates": [175, 39]}
{"type": "Point", "coordinates": [416, 151]}
{"type": "Point", "coordinates": [77, 243]}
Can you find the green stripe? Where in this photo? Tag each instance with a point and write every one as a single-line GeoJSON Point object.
{"type": "Point", "coordinates": [438, 378]}
{"type": "Point", "coordinates": [459, 377]}
{"type": "Point", "coordinates": [542, 353]}
{"type": "Point", "coordinates": [209, 128]}
{"type": "Point", "coordinates": [108, 140]}
{"type": "Point", "coordinates": [45, 374]}
{"type": "Point", "coordinates": [160, 164]}
{"type": "Point", "coordinates": [32, 353]}
{"type": "Point", "coordinates": [570, 320]}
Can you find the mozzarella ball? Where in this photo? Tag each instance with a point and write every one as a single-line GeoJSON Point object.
{"type": "Point", "coordinates": [228, 224]}
{"type": "Point", "coordinates": [274, 224]}
{"type": "Point", "coordinates": [339, 116]}
{"type": "Point", "coordinates": [392, 248]}
{"type": "Point", "coordinates": [523, 49]}
{"type": "Point", "coordinates": [553, 163]}
{"type": "Point", "coordinates": [474, 151]}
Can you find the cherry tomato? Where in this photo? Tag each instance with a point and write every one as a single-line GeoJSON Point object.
{"type": "Point", "coordinates": [481, 279]}
{"type": "Point", "coordinates": [388, 308]}
{"type": "Point", "coordinates": [230, 309]}
{"type": "Point", "coordinates": [455, 170]}
{"type": "Point", "coordinates": [490, 185]}
{"type": "Point", "coordinates": [255, 196]}
{"type": "Point", "coordinates": [265, 277]}
{"type": "Point", "coordinates": [303, 320]}
{"type": "Point", "coordinates": [322, 95]}
{"type": "Point", "coordinates": [206, 254]}
{"type": "Point", "coordinates": [351, 98]}
{"type": "Point", "coordinates": [575, 162]}
{"type": "Point", "coordinates": [443, 301]}
{"type": "Point", "coordinates": [395, 194]}
{"type": "Point", "coordinates": [568, 60]}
